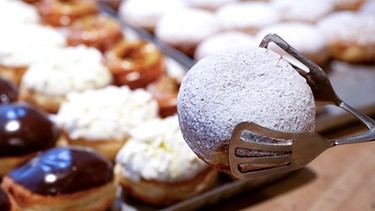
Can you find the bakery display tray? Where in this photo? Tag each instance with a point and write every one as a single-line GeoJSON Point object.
{"type": "Point", "coordinates": [353, 83]}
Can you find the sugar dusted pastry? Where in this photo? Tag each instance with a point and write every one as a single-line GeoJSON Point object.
{"type": "Point", "coordinates": [185, 28]}
{"type": "Point", "coordinates": [247, 17]}
{"type": "Point", "coordinates": [47, 81]}
{"type": "Point", "coordinates": [156, 166]}
{"type": "Point", "coordinates": [306, 38]}
{"type": "Point", "coordinates": [15, 12]}
{"type": "Point", "coordinates": [303, 10]}
{"type": "Point", "coordinates": [350, 36]}
{"type": "Point", "coordinates": [241, 84]}
{"type": "Point", "coordinates": [102, 118]}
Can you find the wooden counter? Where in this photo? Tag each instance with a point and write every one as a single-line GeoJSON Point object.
{"type": "Point", "coordinates": [342, 178]}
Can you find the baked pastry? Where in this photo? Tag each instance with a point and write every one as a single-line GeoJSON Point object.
{"type": "Point", "coordinates": [348, 4]}
{"type": "Point", "coordinates": [47, 81]}
{"type": "Point", "coordinates": [185, 28]}
{"type": "Point", "coordinates": [221, 41]}
{"type": "Point", "coordinates": [7, 202]}
{"type": "Point", "coordinates": [18, 51]}
{"type": "Point", "coordinates": [15, 12]}
{"type": "Point", "coordinates": [134, 63]}
{"type": "Point", "coordinates": [137, 14]}
{"type": "Point", "coordinates": [99, 31]}
{"type": "Point", "coordinates": [303, 10]}
{"type": "Point", "coordinates": [64, 12]}
{"type": "Point", "coordinates": [157, 167]}
{"type": "Point", "coordinates": [247, 17]}
{"type": "Point", "coordinates": [240, 84]}
{"type": "Point", "coordinates": [63, 178]}
{"type": "Point", "coordinates": [24, 130]}
{"type": "Point", "coordinates": [8, 91]}
{"type": "Point", "coordinates": [102, 118]}
{"type": "Point", "coordinates": [208, 4]}
{"type": "Point", "coordinates": [350, 36]}
{"type": "Point", "coordinates": [164, 91]}
{"type": "Point", "coordinates": [304, 37]}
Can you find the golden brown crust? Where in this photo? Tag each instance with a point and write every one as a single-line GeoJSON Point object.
{"type": "Point", "coordinates": [108, 148]}
{"type": "Point", "coordinates": [97, 31]}
{"type": "Point", "coordinates": [352, 52]}
{"type": "Point", "coordinates": [163, 193]}
{"type": "Point", "coordinates": [165, 91]}
{"type": "Point", "coordinates": [13, 74]}
{"type": "Point", "coordinates": [64, 12]}
{"type": "Point", "coordinates": [8, 163]}
{"type": "Point", "coordinates": [98, 198]}
{"type": "Point", "coordinates": [48, 103]}
{"type": "Point", "coordinates": [134, 63]}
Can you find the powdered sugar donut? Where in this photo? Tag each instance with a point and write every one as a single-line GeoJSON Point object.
{"type": "Point", "coordinates": [306, 38]}
{"type": "Point", "coordinates": [158, 167]}
{"type": "Point", "coordinates": [350, 36]}
{"type": "Point", "coordinates": [208, 4]}
{"type": "Point", "coordinates": [303, 10]}
{"type": "Point", "coordinates": [184, 29]}
{"type": "Point", "coordinates": [136, 13]}
{"type": "Point", "coordinates": [221, 41]}
{"type": "Point", "coordinates": [240, 84]}
{"type": "Point", "coordinates": [48, 80]}
{"type": "Point", "coordinates": [246, 16]}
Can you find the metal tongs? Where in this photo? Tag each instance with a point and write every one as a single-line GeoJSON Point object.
{"type": "Point", "coordinates": [297, 149]}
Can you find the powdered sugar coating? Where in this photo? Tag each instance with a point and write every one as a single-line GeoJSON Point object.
{"type": "Point", "coordinates": [241, 84]}
{"type": "Point", "coordinates": [188, 26]}
{"type": "Point", "coordinates": [157, 151]}
{"type": "Point", "coordinates": [68, 69]}
{"type": "Point", "coordinates": [246, 16]}
{"type": "Point", "coordinates": [136, 13]}
{"type": "Point", "coordinates": [350, 27]}
{"type": "Point", "coordinates": [14, 12]}
{"type": "Point", "coordinates": [303, 10]}
{"type": "Point", "coordinates": [105, 114]}
{"type": "Point", "coordinates": [221, 41]}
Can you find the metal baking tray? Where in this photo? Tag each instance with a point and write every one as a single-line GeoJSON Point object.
{"type": "Point", "coordinates": [353, 83]}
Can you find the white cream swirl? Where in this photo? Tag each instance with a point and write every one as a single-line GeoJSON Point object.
{"type": "Point", "coordinates": [67, 69]}
{"type": "Point", "coordinates": [157, 151]}
{"type": "Point", "coordinates": [105, 114]}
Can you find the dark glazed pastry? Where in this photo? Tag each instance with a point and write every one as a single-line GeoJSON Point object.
{"type": "Point", "coordinates": [8, 91]}
{"type": "Point", "coordinates": [25, 129]}
{"type": "Point", "coordinates": [62, 178]}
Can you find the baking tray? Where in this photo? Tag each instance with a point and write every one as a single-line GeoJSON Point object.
{"type": "Point", "coordinates": [354, 84]}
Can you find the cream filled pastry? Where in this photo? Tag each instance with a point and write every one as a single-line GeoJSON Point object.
{"type": "Point", "coordinates": [63, 178]}
{"type": "Point", "coordinates": [102, 118]}
{"type": "Point", "coordinates": [158, 167]}
{"type": "Point", "coordinates": [47, 81]}
{"type": "Point", "coordinates": [14, 12]}
{"type": "Point", "coordinates": [23, 44]}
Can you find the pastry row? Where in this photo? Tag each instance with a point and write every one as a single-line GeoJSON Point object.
{"type": "Point", "coordinates": [81, 116]}
{"type": "Point", "coordinates": [323, 30]}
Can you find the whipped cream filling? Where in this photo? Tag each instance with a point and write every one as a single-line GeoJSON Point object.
{"type": "Point", "coordinates": [13, 12]}
{"type": "Point", "coordinates": [23, 44]}
{"type": "Point", "coordinates": [157, 151]}
{"type": "Point", "coordinates": [105, 114]}
{"type": "Point", "coordinates": [67, 69]}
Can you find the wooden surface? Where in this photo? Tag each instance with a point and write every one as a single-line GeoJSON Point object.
{"type": "Point", "coordinates": [342, 178]}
